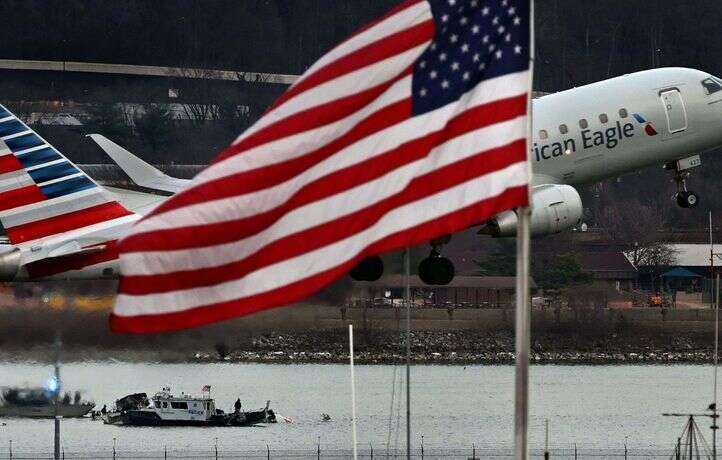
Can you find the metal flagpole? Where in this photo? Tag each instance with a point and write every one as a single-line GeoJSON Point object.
{"type": "Point", "coordinates": [407, 301]}
{"type": "Point", "coordinates": [521, 401]}
{"type": "Point", "coordinates": [522, 320]}
{"type": "Point", "coordinates": [353, 391]}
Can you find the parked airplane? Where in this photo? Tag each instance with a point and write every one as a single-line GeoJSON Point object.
{"type": "Point", "coordinates": [60, 223]}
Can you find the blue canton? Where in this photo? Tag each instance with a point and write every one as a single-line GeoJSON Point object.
{"type": "Point", "coordinates": [474, 40]}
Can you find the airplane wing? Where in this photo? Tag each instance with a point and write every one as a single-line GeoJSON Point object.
{"type": "Point", "coordinates": [140, 172]}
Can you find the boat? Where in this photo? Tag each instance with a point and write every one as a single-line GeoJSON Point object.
{"type": "Point", "coordinates": [40, 403]}
{"type": "Point", "coordinates": [166, 409]}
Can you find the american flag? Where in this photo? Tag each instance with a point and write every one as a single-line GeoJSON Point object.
{"type": "Point", "coordinates": [412, 128]}
{"type": "Point", "coordinates": [206, 388]}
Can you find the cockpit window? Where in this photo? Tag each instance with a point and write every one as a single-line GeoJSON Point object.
{"type": "Point", "coordinates": [711, 85]}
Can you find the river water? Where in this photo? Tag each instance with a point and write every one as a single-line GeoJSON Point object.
{"type": "Point", "coordinates": [453, 407]}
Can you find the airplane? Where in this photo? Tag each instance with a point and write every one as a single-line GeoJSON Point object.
{"type": "Point", "coordinates": [61, 224]}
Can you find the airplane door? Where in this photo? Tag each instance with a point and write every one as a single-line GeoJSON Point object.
{"type": "Point", "coordinates": [674, 109]}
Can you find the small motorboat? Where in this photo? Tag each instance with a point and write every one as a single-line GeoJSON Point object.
{"type": "Point", "coordinates": [166, 409]}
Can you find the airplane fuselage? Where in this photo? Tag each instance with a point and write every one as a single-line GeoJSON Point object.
{"type": "Point", "coordinates": [617, 126]}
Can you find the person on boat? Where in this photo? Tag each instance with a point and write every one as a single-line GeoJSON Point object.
{"type": "Point", "coordinates": [76, 398]}
{"type": "Point", "coordinates": [66, 398]}
{"type": "Point", "coordinates": [237, 405]}
{"type": "Point", "coordinates": [104, 410]}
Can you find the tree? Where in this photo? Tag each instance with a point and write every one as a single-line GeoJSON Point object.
{"type": "Point", "coordinates": [108, 119]}
{"type": "Point", "coordinates": [560, 271]}
{"type": "Point", "coordinates": [154, 125]}
{"type": "Point", "coordinates": [501, 262]}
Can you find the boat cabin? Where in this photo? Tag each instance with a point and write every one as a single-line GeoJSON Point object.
{"type": "Point", "coordinates": [183, 407]}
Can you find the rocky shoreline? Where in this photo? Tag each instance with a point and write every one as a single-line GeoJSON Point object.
{"type": "Point", "coordinates": [463, 348]}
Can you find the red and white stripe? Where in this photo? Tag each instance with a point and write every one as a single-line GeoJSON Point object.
{"type": "Point", "coordinates": [336, 170]}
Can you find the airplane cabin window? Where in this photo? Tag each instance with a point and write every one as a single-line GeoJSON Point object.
{"type": "Point", "coordinates": [623, 113]}
{"type": "Point", "coordinates": [543, 134]}
{"type": "Point", "coordinates": [583, 124]}
{"type": "Point", "coordinates": [603, 118]}
{"type": "Point", "coordinates": [563, 129]}
{"type": "Point", "coordinates": [711, 85]}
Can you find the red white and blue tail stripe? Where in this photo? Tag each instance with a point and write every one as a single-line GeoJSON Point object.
{"type": "Point", "coordinates": [45, 200]}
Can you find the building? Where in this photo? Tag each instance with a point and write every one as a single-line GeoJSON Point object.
{"type": "Point", "coordinates": [462, 292]}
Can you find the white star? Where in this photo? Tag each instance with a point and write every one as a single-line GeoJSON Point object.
{"type": "Point", "coordinates": [475, 29]}
{"type": "Point", "coordinates": [495, 21]}
{"type": "Point", "coordinates": [476, 57]}
{"type": "Point", "coordinates": [467, 75]}
{"type": "Point", "coordinates": [452, 2]}
{"type": "Point", "coordinates": [454, 38]}
{"type": "Point", "coordinates": [474, 3]}
{"type": "Point", "coordinates": [485, 11]}
{"type": "Point", "coordinates": [445, 18]}
{"type": "Point", "coordinates": [498, 54]}
{"type": "Point", "coordinates": [422, 92]}
{"type": "Point", "coordinates": [517, 21]}
{"type": "Point", "coordinates": [505, 3]}
{"type": "Point", "coordinates": [433, 46]}
{"type": "Point", "coordinates": [507, 38]}
{"type": "Point", "coordinates": [482, 66]}
{"type": "Point", "coordinates": [445, 84]}
{"type": "Point", "coordinates": [464, 48]}
{"type": "Point", "coordinates": [442, 57]}
{"type": "Point", "coordinates": [501, 30]}
{"type": "Point", "coordinates": [433, 74]}
{"type": "Point", "coordinates": [463, 20]}
{"type": "Point", "coordinates": [485, 40]}
{"type": "Point", "coordinates": [422, 65]}
{"type": "Point", "coordinates": [517, 49]}
{"type": "Point", "coordinates": [512, 11]}
{"type": "Point", "coordinates": [492, 47]}
{"type": "Point", "coordinates": [454, 66]}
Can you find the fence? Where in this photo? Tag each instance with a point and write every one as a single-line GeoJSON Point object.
{"type": "Point", "coordinates": [369, 453]}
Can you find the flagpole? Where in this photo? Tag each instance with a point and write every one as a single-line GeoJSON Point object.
{"type": "Point", "coordinates": [523, 312]}
{"type": "Point", "coordinates": [353, 391]}
{"type": "Point", "coordinates": [407, 301]}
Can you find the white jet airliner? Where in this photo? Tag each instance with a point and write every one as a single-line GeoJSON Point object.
{"type": "Point", "coordinates": [62, 224]}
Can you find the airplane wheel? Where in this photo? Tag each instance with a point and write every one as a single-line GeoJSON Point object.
{"type": "Point", "coordinates": [687, 199]}
{"type": "Point", "coordinates": [436, 270]}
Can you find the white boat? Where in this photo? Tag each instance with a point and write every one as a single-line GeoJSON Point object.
{"type": "Point", "coordinates": [166, 409]}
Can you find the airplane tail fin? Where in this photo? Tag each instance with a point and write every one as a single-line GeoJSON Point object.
{"type": "Point", "coordinates": [139, 171]}
{"type": "Point", "coordinates": [42, 193]}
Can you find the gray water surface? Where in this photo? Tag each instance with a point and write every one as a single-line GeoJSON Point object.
{"type": "Point", "coordinates": [453, 407]}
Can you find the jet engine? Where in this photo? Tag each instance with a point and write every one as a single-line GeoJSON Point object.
{"type": "Point", "coordinates": [554, 208]}
{"type": "Point", "coordinates": [10, 262]}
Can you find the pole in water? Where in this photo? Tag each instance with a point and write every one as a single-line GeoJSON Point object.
{"type": "Point", "coordinates": [715, 410]}
{"type": "Point", "coordinates": [625, 447]}
{"type": "Point", "coordinates": [353, 391]}
{"type": "Point", "coordinates": [407, 301]}
{"type": "Point", "coordinates": [546, 439]}
{"type": "Point", "coordinates": [113, 448]}
{"type": "Point", "coordinates": [58, 386]}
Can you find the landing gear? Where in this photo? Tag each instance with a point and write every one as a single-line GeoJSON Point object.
{"type": "Point", "coordinates": [684, 198]}
{"type": "Point", "coordinates": [435, 269]}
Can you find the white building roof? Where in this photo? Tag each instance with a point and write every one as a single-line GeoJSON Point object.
{"type": "Point", "coordinates": [691, 254]}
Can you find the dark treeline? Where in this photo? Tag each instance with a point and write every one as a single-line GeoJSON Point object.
{"type": "Point", "coordinates": [577, 41]}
